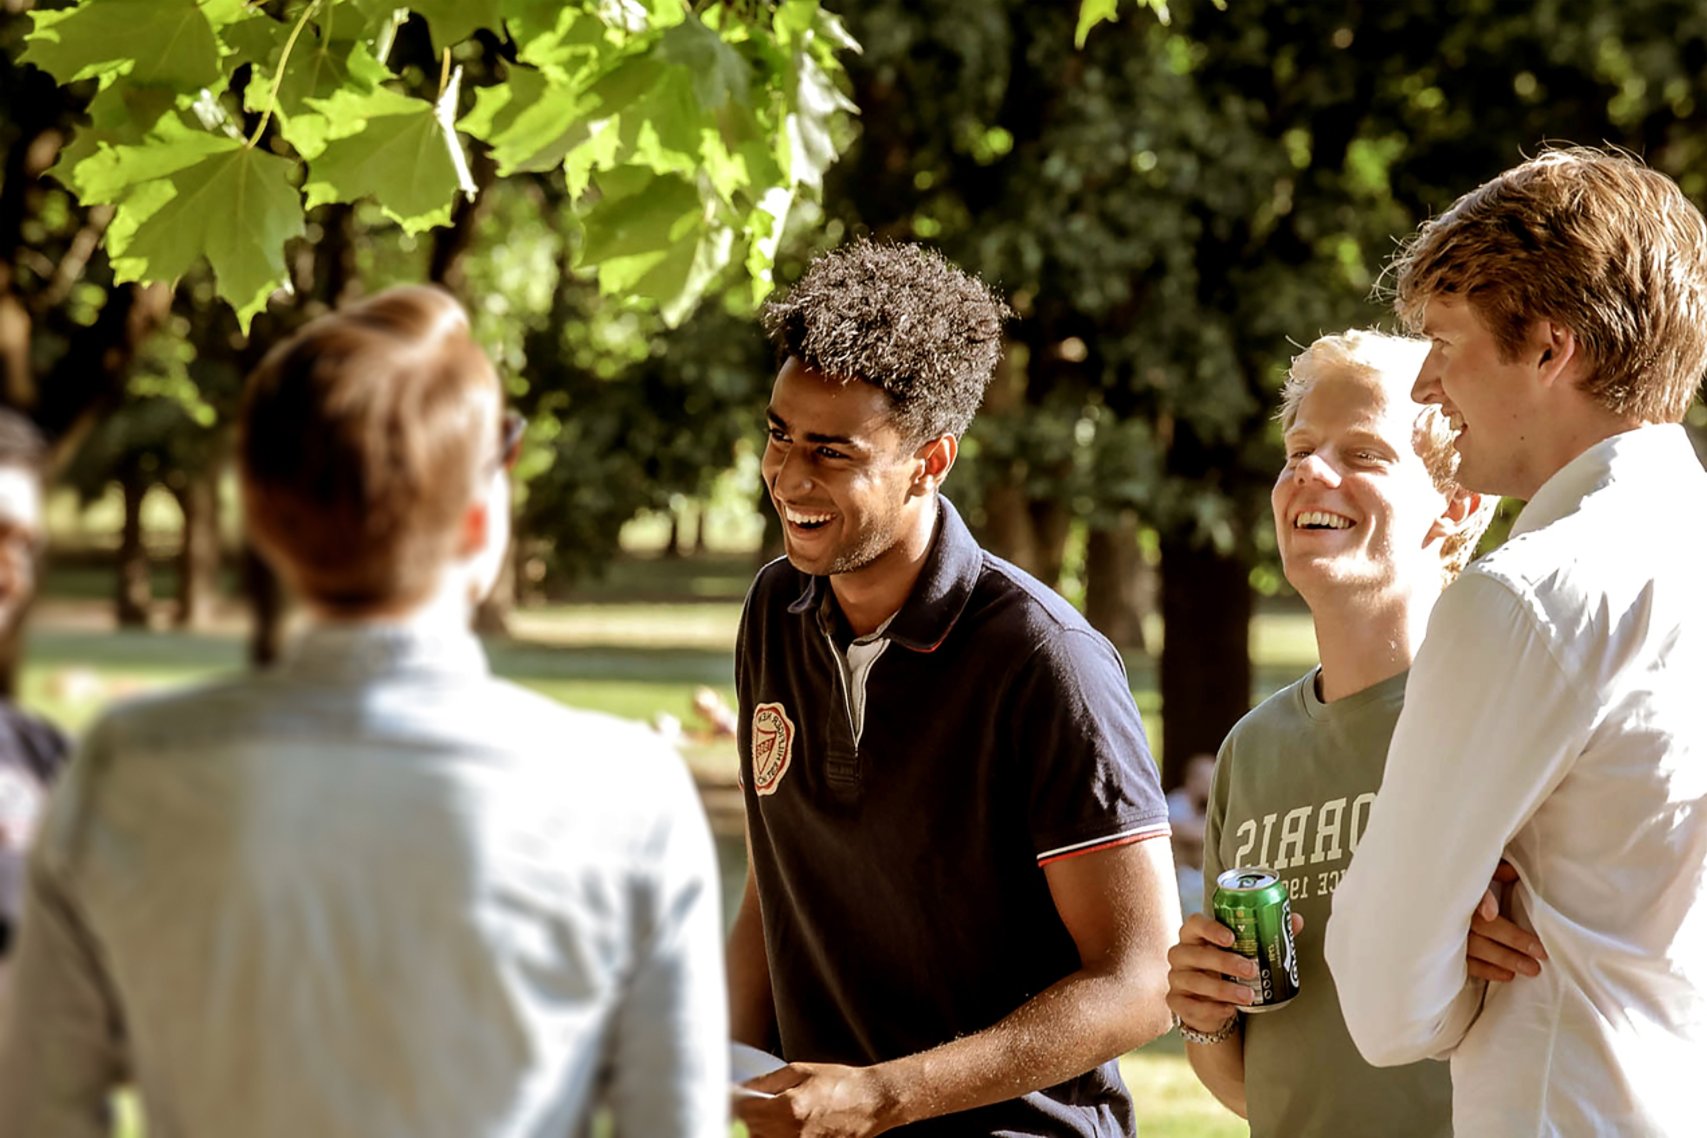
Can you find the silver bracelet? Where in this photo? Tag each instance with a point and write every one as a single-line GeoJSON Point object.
{"type": "Point", "coordinates": [1192, 1035]}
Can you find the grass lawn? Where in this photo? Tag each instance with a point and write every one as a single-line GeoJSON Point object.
{"type": "Point", "coordinates": [615, 651]}
{"type": "Point", "coordinates": [1170, 1102]}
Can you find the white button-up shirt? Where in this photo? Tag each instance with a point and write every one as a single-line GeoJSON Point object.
{"type": "Point", "coordinates": [1556, 715]}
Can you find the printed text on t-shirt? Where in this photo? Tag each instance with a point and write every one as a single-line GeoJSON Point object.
{"type": "Point", "coordinates": [1305, 835]}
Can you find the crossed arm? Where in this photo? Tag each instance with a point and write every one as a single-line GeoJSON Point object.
{"type": "Point", "coordinates": [1496, 949]}
{"type": "Point", "coordinates": [1121, 907]}
{"type": "Point", "coordinates": [1476, 752]}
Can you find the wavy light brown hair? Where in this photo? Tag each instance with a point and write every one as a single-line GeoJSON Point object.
{"type": "Point", "coordinates": [361, 441]}
{"type": "Point", "coordinates": [1589, 239]}
{"type": "Point", "coordinates": [1392, 363]}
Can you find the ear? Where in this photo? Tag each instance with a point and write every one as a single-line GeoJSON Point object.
{"type": "Point", "coordinates": [932, 462]}
{"type": "Point", "coordinates": [1558, 356]}
{"type": "Point", "coordinates": [476, 529]}
{"type": "Point", "coordinates": [1455, 516]}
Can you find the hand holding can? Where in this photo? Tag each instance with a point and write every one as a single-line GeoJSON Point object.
{"type": "Point", "coordinates": [1255, 904]}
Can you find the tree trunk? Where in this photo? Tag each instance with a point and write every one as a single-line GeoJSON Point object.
{"type": "Point", "coordinates": [1206, 660]}
{"type": "Point", "coordinates": [1051, 521]}
{"type": "Point", "coordinates": [198, 555]}
{"type": "Point", "coordinates": [445, 262]}
{"type": "Point", "coordinates": [88, 380]}
{"type": "Point", "coordinates": [1007, 531]}
{"type": "Point", "coordinates": [673, 547]}
{"type": "Point", "coordinates": [135, 590]}
{"type": "Point", "coordinates": [1114, 583]}
{"type": "Point", "coordinates": [266, 607]}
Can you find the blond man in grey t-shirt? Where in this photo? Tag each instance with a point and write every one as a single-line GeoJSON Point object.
{"type": "Point", "coordinates": [1371, 527]}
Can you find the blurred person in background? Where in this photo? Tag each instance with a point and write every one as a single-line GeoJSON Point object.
{"type": "Point", "coordinates": [1554, 715]}
{"type": "Point", "coordinates": [1188, 812]}
{"type": "Point", "coordinates": [960, 893]}
{"type": "Point", "coordinates": [31, 749]}
{"type": "Point", "coordinates": [375, 892]}
{"type": "Point", "coordinates": [1371, 526]}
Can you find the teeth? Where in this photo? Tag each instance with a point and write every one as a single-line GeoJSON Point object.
{"type": "Point", "coordinates": [801, 519]}
{"type": "Point", "coordinates": [1320, 518]}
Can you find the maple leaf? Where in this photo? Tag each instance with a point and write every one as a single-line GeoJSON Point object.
{"type": "Point", "coordinates": [169, 42]}
{"type": "Point", "coordinates": [401, 155]}
{"type": "Point", "coordinates": [236, 208]}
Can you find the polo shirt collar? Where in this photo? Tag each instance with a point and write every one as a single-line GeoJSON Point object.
{"type": "Point", "coordinates": [1662, 450]}
{"type": "Point", "coordinates": [940, 594]}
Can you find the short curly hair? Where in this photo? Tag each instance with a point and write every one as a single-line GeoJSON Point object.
{"type": "Point", "coordinates": [901, 318]}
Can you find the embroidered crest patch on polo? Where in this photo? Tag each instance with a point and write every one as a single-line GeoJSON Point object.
{"type": "Point", "coordinates": [773, 746]}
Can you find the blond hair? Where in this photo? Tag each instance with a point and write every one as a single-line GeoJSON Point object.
{"type": "Point", "coordinates": [1589, 239]}
{"type": "Point", "coordinates": [1392, 363]}
{"type": "Point", "coordinates": [360, 440]}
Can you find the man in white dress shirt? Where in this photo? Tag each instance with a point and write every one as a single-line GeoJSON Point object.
{"type": "Point", "coordinates": [1556, 714]}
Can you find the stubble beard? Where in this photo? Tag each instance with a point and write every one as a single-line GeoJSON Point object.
{"type": "Point", "coordinates": [871, 545]}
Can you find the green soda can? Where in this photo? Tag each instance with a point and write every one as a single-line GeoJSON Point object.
{"type": "Point", "coordinates": [1254, 903]}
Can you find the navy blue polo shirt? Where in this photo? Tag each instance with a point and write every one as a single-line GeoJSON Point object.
{"type": "Point", "coordinates": [900, 874]}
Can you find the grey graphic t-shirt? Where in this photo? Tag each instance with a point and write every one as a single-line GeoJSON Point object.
{"type": "Point", "coordinates": [1293, 787]}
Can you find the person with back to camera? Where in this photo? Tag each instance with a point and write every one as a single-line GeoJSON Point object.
{"type": "Point", "coordinates": [374, 893]}
{"type": "Point", "coordinates": [1554, 716]}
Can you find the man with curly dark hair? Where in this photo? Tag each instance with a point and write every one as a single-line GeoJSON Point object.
{"type": "Point", "coordinates": [953, 919]}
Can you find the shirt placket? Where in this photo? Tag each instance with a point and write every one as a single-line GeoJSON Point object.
{"type": "Point", "coordinates": [841, 756]}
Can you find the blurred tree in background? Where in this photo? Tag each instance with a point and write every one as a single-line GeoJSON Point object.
{"type": "Point", "coordinates": [1173, 207]}
{"type": "Point", "coordinates": [294, 152]}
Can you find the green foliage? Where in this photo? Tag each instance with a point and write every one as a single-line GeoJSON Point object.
{"type": "Point", "coordinates": [1094, 12]}
{"type": "Point", "coordinates": [207, 115]}
{"type": "Point", "coordinates": [624, 422]}
{"type": "Point", "coordinates": [236, 208]}
{"type": "Point", "coordinates": [1174, 209]}
{"type": "Point", "coordinates": [405, 157]}
{"type": "Point", "coordinates": [169, 43]}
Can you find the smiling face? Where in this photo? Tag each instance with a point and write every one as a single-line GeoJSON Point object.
{"type": "Point", "coordinates": [1494, 404]}
{"type": "Point", "coordinates": [839, 473]}
{"type": "Point", "coordinates": [1355, 506]}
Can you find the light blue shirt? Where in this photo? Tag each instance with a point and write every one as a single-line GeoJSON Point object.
{"type": "Point", "coordinates": [373, 893]}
